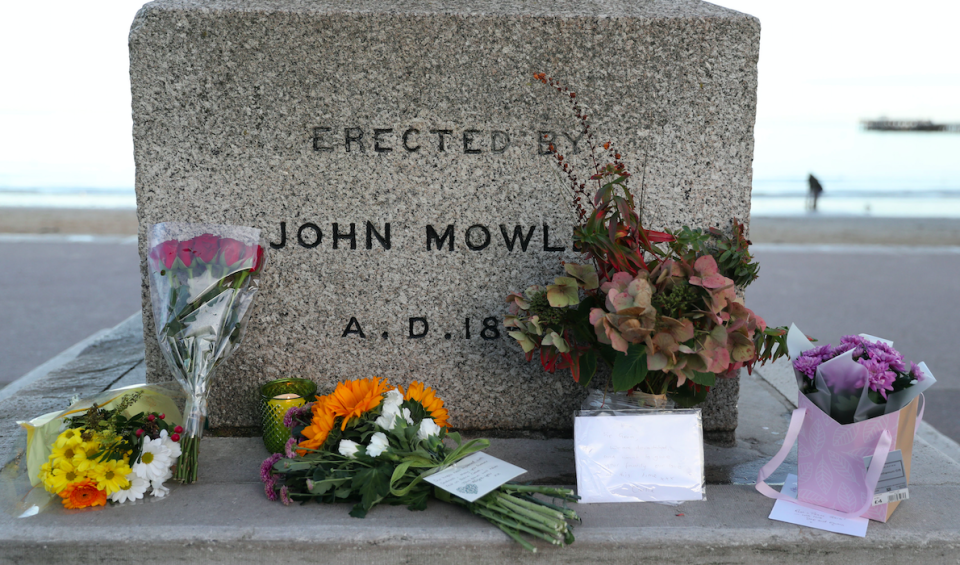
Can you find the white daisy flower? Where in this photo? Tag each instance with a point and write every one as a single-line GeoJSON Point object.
{"type": "Point", "coordinates": [348, 448]}
{"type": "Point", "coordinates": [159, 490]}
{"type": "Point", "coordinates": [428, 428]}
{"type": "Point", "coordinates": [173, 446]}
{"type": "Point", "coordinates": [378, 444]}
{"type": "Point", "coordinates": [137, 487]}
{"type": "Point", "coordinates": [154, 461]}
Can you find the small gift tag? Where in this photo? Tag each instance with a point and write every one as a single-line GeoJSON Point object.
{"type": "Point", "coordinates": [474, 476]}
{"type": "Point", "coordinates": [892, 485]}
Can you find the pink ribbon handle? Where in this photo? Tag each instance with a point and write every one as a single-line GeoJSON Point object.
{"type": "Point", "coordinates": [793, 432]}
{"type": "Point", "coordinates": [923, 404]}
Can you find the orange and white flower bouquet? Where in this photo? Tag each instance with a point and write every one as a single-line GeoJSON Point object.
{"type": "Point", "coordinates": [368, 442]}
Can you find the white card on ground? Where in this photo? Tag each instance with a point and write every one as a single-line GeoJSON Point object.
{"type": "Point", "coordinates": [639, 457]}
{"type": "Point", "coordinates": [474, 476]}
{"type": "Point", "coordinates": [785, 511]}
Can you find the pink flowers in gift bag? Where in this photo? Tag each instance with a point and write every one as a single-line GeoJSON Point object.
{"type": "Point", "coordinates": [858, 402]}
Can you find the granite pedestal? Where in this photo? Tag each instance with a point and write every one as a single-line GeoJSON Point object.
{"type": "Point", "coordinates": [395, 156]}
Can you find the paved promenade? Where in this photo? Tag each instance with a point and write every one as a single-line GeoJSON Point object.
{"type": "Point", "coordinates": [904, 294]}
{"type": "Point", "coordinates": [56, 291]}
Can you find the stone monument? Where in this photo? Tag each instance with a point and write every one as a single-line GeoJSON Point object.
{"type": "Point", "coordinates": [395, 155]}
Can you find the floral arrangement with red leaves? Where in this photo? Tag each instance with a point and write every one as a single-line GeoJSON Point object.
{"type": "Point", "coordinates": [660, 308]}
{"type": "Point", "coordinates": [202, 289]}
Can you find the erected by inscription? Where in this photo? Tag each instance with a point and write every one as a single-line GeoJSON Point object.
{"type": "Point", "coordinates": [404, 187]}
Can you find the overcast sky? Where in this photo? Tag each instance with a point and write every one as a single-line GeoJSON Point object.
{"type": "Point", "coordinates": [65, 104]}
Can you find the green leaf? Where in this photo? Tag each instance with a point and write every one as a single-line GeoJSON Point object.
{"type": "Point", "coordinates": [588, 368]}
{"type": "Point", "coordinates": [373, 485]}
{"type": "Point", "coordinates": [631, 369]}
{"type": "Point", "coordinates": [704, 379]}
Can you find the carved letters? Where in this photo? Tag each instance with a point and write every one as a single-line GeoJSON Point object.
{"type": "Point", "coordinates": [515, 238]}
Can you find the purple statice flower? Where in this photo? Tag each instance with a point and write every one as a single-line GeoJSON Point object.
{"type": "Point", "coordinates": [879, 376]}
{"type": "Point", "coordinates": [916, 373]}
{"type": "Point", "coordinates": [289, 450]}
{"type": "Point", "coordinates": [806, 365]}
{"type": "Point", "coordinates": [266, 468]}
{"type": "Point", "coordinates": [270, 489]}
{"type": "Point", "coordinates": [294, 414]}
{"type": "Point", "coordinates": [285, 496]}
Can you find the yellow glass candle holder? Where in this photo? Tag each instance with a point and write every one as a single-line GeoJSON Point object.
{"type": "Point", "coordinates": [276, 398]}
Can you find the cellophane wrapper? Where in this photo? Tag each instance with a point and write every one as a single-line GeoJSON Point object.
{"type": "Point", "coordinates": [203, 281]}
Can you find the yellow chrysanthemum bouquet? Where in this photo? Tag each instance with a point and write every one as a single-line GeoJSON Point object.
{"type": "Point", "coordinates": [368, 443]}
{"type": "Point", "coordinates": [116, 447]}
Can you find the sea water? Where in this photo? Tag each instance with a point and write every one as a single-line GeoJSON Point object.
{"type": "Point", "coordinates": [863, 173]}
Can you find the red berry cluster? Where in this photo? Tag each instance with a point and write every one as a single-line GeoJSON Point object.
{"type": "Point", "coordinates": [152, 428]}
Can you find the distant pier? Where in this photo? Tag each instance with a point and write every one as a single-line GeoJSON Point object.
{"type": "Point", "coordinates": [908, 125]}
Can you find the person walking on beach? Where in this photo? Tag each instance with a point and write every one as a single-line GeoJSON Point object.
{"type": "Point", "coordinates": [814, 194]}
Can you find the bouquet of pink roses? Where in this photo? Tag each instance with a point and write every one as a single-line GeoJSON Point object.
{"type": "Point", "coordinates": [203, 279]}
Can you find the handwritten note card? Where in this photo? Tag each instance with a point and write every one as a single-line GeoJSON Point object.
{"type": "Point", "coordinates": [474, 476]}
{"type": "Point", "coordinates": [639, 456]}
{"type": "Point", "coordinates": [784, 511]}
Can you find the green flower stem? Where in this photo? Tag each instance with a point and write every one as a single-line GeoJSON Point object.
{"type": "Point", "coordinates": [517, 538]}
{"type": "Point", "coordinates": [237, 283]}
{"type": "Point", "coordinates": [545, 520]}
{"type": "Point", "coordinates": [533, 507]}
{"type": "Point", "coordinates": [187, 464]}
{"type": "Point", "coordinates": [567, 513]}
{"type": "Point", "coordinates": [563, 493]}
{"type": "Point", "coordinates": [517, 519]}
{"type": "Point", "coordinates": [499, 521]}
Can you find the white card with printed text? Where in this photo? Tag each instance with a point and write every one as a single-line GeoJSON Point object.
{"type": "Point", "coordinates": [785, 511]}
{"type": "Point", "coordinates": [474, 476]}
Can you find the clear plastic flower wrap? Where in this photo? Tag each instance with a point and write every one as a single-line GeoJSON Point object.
{"type": "Point", "coordinates": [203, 279]}
{"type": "Point", "coordinates": [115, 447]}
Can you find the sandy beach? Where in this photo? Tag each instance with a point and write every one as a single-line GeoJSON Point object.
{"type": "Point", "coordinates": [88, 221]}
{"type": "Point", "coordinates": [809, 229]}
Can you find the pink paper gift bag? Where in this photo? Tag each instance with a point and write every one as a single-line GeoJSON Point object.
{"type": "Point", "coordinates": [831, 475]}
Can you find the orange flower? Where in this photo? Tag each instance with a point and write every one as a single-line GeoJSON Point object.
{"type": "Point", "coordinates": [320, 426]}
{"type": "Point", "coordinates": [83, 494]}
{"type": "Point", "coordinates": [431, 403]}
{"type": "Point", "coordinates": [354, 398]}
